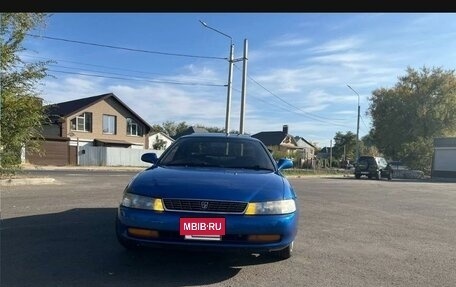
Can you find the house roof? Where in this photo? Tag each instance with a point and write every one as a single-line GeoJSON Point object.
{"type": "Point", "coordinates": [274, 138]}
{"type": "Point", "coordinates": [65, 109]}
{"type": "Point", "coordinates": [195, 130]}
{"type": "Point", "coordinates": [191, 130]}
{"type": "Point", "coordinates": [297, 138]}
{"type": "Point", "coordinates": [324, 152]}
{"type": "Point", "coordinates": [163, 134]}
{"type": "Point", "coordinates": [271, 138]}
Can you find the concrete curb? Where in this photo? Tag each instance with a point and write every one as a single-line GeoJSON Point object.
{"type": "Point", "coordinates": [84, 168]}
{"type": "Point", "coordinates": [316, 176]}
{"type": "Point", "coordinates": [27, 181]}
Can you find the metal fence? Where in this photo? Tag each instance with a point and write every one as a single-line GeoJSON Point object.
{"type": "Point", "coordinates": [113, 156]}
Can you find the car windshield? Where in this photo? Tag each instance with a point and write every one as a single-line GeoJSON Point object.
{"type": "Point", "coordinates": [217, 152]}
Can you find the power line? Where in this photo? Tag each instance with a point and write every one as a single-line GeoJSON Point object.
{"type": "Point", "coordinates": [93, 65]}
{"type": "Point", "coordinates": [364, 123]}
{"type": "Point", "coordinates": [137, 79]}
{"type": "Point", "coordinates": [126, 48]}
{"type": "Point", "coordinates": [102, 66]}
{"type": "Point", "coordinates": [315, 117]}
{"type": "Point", "coordinates": [284, 108]}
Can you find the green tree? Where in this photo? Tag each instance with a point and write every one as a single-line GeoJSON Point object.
{"type": "Point", "coordinates": [170, 128]}
{"type": "Point", "coordinates": [406, 118]}
{"type": "Point", "coordinates": [212, 129]}
{"type": "Point", "coordinates": [347, 141]}
{"type": "Point", "coordinates": [367, 145]}
{"type": "Point", "coordinates": [22, 113]}
{"type": "Point", "coordinates": [157, 129]}
{"type": "Point", "coordinates": [159, 143]}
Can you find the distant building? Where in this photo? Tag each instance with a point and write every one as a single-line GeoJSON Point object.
{"type": "Point", "coordinates": [102, 120]}
{"type": "Point", "coordinates": [444, 159]}
{"type": "Point", "coordinates": [159, 141]}
{"type": "Point", "coordinates": [278, 140]}
{"type": "Point", "coordinates": [190, 130]}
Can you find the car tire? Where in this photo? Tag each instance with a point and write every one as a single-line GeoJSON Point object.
{"type": "Point", "coordinates": [390, 175]}
{"type": "Point", "coordinates": [357, 176]}
{"type": "Point", "coordinates": [127, 244]}
{"type": "Point", "coordinates": [284, 253]}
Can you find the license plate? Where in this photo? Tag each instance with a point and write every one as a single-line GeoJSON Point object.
{"type": "Point", "coordinates": [202, 228]}
{"type": "Point", "coordinates": [364, 172]}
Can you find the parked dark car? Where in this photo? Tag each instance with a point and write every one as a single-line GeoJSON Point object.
{"type": "Point", "coordinates": [373, 167]}
{"type": "Point", "coordinates": [211, 191]}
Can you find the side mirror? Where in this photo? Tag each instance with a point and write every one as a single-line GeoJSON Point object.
{"type": "Point", "coordinates": [149, 157]}
{"type": "Point", "coordinates": [284, 163]}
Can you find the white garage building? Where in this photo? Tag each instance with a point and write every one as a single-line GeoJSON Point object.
{"type": "Point", "coordinates": [444, 160]}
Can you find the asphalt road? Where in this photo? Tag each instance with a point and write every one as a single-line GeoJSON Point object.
{"type": "Point", "coordinates": [351, 233]}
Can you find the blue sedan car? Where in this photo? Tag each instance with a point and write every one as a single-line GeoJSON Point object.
{"type": "Point", "coordinates": [211, 191]}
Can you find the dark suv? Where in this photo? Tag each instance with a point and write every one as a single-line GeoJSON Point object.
{"type": "Point", "coordinates": [373, 167]}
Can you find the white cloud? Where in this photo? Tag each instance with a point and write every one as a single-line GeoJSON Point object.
{"type": "Point", "coordinates": [153, 102]}
{"type": "Point", "coordinates": [289, 40]}
{"type": "Point", "coordinates": [345, 112]}
{"type": "Point", "coordinates": [344, 44]}
{"type": "Point", "coordinates": [158, 103]}
{"type": "Point", "coordinates": [64, 89]}
{"type": "Point", "coordinates": [348, 59]}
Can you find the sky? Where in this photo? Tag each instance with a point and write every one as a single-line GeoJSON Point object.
{"type": "Point", "coordinates": [298, 68]}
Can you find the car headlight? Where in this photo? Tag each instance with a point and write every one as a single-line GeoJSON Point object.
{"type": "Point", "coordinates": [142, 202]}
{"type": "Point", "coordinates": [271, 207]}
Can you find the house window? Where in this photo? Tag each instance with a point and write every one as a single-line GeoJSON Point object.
{"type": "Point", "coordinates": [109, 124]}
{"type": "Point", "coordinates": [133, 129]}
{"type": "Point", "coordinates": [82, 122]}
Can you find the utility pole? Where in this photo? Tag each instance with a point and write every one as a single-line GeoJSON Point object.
{"type": "Point", "coordinates": [357, 126]}
{"type": "Point", "coordinates": [231, 61]}
{"type": "Point", "coordinates": [230, 76]}
{"type": "Point", "coordinates": [230, 88]}
{"type": "Point", "coordinates": [330, 153]}
{"type": "Point", "coordinates": [244, 84]}
{"type": "Point", "coordinates": [345, 154]}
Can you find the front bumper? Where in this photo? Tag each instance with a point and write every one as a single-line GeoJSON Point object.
{"type": "Point", "coordinates": [237, 229]}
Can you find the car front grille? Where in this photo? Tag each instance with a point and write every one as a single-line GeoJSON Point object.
{"type": "Point", "coordinates": [205, 205]}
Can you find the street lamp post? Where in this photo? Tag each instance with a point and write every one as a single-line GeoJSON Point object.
{"type": "Point", "coordinates": [357, 126]}
{"type": "Point", "coordinates": [244, 88]}
{"type": "Point", "coordinates": [230, 76]}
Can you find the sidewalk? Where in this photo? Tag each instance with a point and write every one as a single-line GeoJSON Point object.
{"type": "Point", "coordinates": [26, 167]}
{"type": "Point", "coordinates": [22, 178]}
{"type": "Point", "coordinates": [27, 181]}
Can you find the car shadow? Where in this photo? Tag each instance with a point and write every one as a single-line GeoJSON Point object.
{"type": "Point", "coordinates": [78, 247]}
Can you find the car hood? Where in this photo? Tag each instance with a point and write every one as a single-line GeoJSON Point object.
{"type": "Point", "coordinates": [209, 183]}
